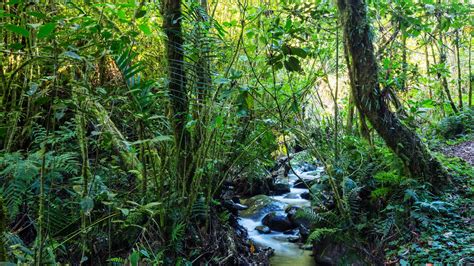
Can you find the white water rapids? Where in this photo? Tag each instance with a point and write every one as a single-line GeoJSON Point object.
{"type": "Point", "coordinates": [286, 253]}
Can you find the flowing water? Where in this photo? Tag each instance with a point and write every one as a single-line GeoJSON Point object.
{"type": "Point", "coordinates": [286, 253]}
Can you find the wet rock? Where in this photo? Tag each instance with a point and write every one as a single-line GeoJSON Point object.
{"type": "Point", "coordinates": [262, 229]}
{"type": "Point", "coordinates": [306, 167]}
{"type": "Point", "coordinates": [240, 207]}
{"type": "Point", "coordinates": [247, 187]}
{"type": "Point", "coordinates": [299, 218]}
{"type": "Point", "coordinates": [306, 196]}
{"type": "Point", "coordinates": [291, 210]}
{"type": "Point", "coordinates": [236, 199]}
{"type": "Point", "coordinates": [304, 232]}
{"type": "Point", "coordinates": [307, 247]}
{"type": "Point", "coordinates": [305, 183]}
{"type": "Point", "coordinates": [281, 188]}
{"type": "Point", "coordinates": [290, 232]}
{"type": "Point", "coordinates": [292, 196]}
{"type": "Point", "coordinates": [325, 197]}
{"type": "Point", "coordinates": [277, 222]}
{"type": "Point", "coordinates": [232, 206]}
{"type": "Point", "coordinates": [329, 252]}
{"type": "Point", "coordinates": [293, 239]}
{"type": "Point", "coordinates": [260, 205]}
{"type": "Point", "coordinates": [281, 168]}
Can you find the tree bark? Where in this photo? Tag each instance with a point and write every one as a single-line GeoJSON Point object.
{"type": "Point", "coordinates": [443, 60]}
{"type": "Point", "coordinates": [172, 17]}
{"type": "Point", "coordinates": [471, 77]}
{"type": "Point", "coordinates": [363, 72]}
{"type": "Point", "coordinates": [458, 61]}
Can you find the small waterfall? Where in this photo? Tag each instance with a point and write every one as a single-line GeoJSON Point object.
{"type": "Point", "coordinates": [286, 252]}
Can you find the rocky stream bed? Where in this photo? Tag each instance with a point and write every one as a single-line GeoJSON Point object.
{"type": "Point", "coordinates": [271, 220]}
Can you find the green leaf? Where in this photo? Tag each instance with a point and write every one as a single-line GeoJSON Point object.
{"type": "Point", "coordinates": [288, 24]}
{"type": "Point", "coordinates": [18, 30]}
{"type": "Point", "coordinates": [293, 64]}
{"type": "Point", "coordinates": [145, 29]}
{"type": "Point", "coordinates": [124, 211]}
{"type": "Point", "coordinates": [140, 14]}
{"type": "Point", "coordinates": [134, 257]}
{"type": "Point", "coordinates": [219, 120]}
{"type": "Point", "coordinates": [299, 52]}
{"type": "Point", "coordinates": [46, 30]}
{"type": "Point", "coordinates": [14, 2]}
{"type": "Point", "coordinates": [87, 204]}
{"type": "Point", "coordinates": [5, 14]}
{"type": "Point", "coordinates": [37, 14]}
{"type": "Point", "coordinates": [72, 55]}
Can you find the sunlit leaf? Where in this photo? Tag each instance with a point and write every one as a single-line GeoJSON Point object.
{"type": "Point", "coordinates": [18, 30]}
{"type": "Point", "coordinates": [46, 30]}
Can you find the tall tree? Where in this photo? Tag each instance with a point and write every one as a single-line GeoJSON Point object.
{"type": "Point", "coordinates": [368, 97]}
{"type": "Point", "coordinates": [172, 25]}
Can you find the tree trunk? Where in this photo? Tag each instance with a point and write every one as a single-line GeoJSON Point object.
{"type": "Point", "coordinates": [427, 61]}
{"type": "Point", "coordinates": [172, 17]}
{"type": "Point", "coordinates": [363, 72]}
{"type": "Point", "coordinates": [471, 77]}
{"type": "Point", "coordinates": [350, 114]}
{"type": "Point", "coordinates": [458, 59]}
{"type": "Point", "coordinates": [404, 61]}
{"type": "Point", "coordinates": [443, 60]}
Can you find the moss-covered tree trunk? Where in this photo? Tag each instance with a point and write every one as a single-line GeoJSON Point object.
{"type": "Point", "coordinates": [172, 18]}
{"type": "Point", "coordinates": [363, 71]}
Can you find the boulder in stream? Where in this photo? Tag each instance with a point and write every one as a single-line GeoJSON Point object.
{"type": "Point", "coordinates": [293, 239]}
{"type": "Point", "coordinates": [278, 222]}
{"type": "Point", "coordinates": [306, 195]}
{"type": "Point", "coordinates": [292, 196]}
{"type": "Point", "coordinates": [260, 205]}
{"type": "Point", "coordinates": [262, 229]}
{"type": "Point", "coordinates": [307, 167]}
{"type": "Point", "coordinates": [305, 183]}
{"type": "Point", "coordinates": [281, 188]}
{"type": "Point", "coordinates": [300, 216]}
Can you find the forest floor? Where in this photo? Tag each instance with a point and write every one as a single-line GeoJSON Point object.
{"type": "Point", "coordinates": [463, 150]}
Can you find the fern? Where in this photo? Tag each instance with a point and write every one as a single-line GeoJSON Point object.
{"type": "Point", "coordinates": [328, 218]}
{"type": "Point", "coordinates": [319, 233]}
{"type": "Point", "coordinates": [66, 163]}
{"type": "Point", "coordinates": [351, 193]}
{"type": "Point", "coordinates": [116, 261]}
{"type": "Point", "coordinates": [18, 249]}
{"type": "Point", "coordinates": [18, 175]}
{"type": "Point", "coordinates": [15, 193]}
{"type": "Point", "coordinates": [200, 209]}
{"type": "Point", "coordinates": [58, 219]}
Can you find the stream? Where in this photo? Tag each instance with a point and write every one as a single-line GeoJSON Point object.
{"type": "Point", "coordinates": [285, 252]}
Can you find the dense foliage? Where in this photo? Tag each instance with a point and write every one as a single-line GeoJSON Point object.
{"type": "Point", "coordinates": [122, 122]}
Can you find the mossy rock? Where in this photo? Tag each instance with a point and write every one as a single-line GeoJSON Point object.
{"type": "Point", "coordinates": [260, 205]}
{"type": "Point", "coordinates": [331, 252]}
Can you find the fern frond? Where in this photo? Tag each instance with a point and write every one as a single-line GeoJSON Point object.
{"type": "Point", "coordinates": [14, 194]}
{"type": "Point", "coordinates": [319, 233]}
{"type": "Point", "coordinates": [200, 209]}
